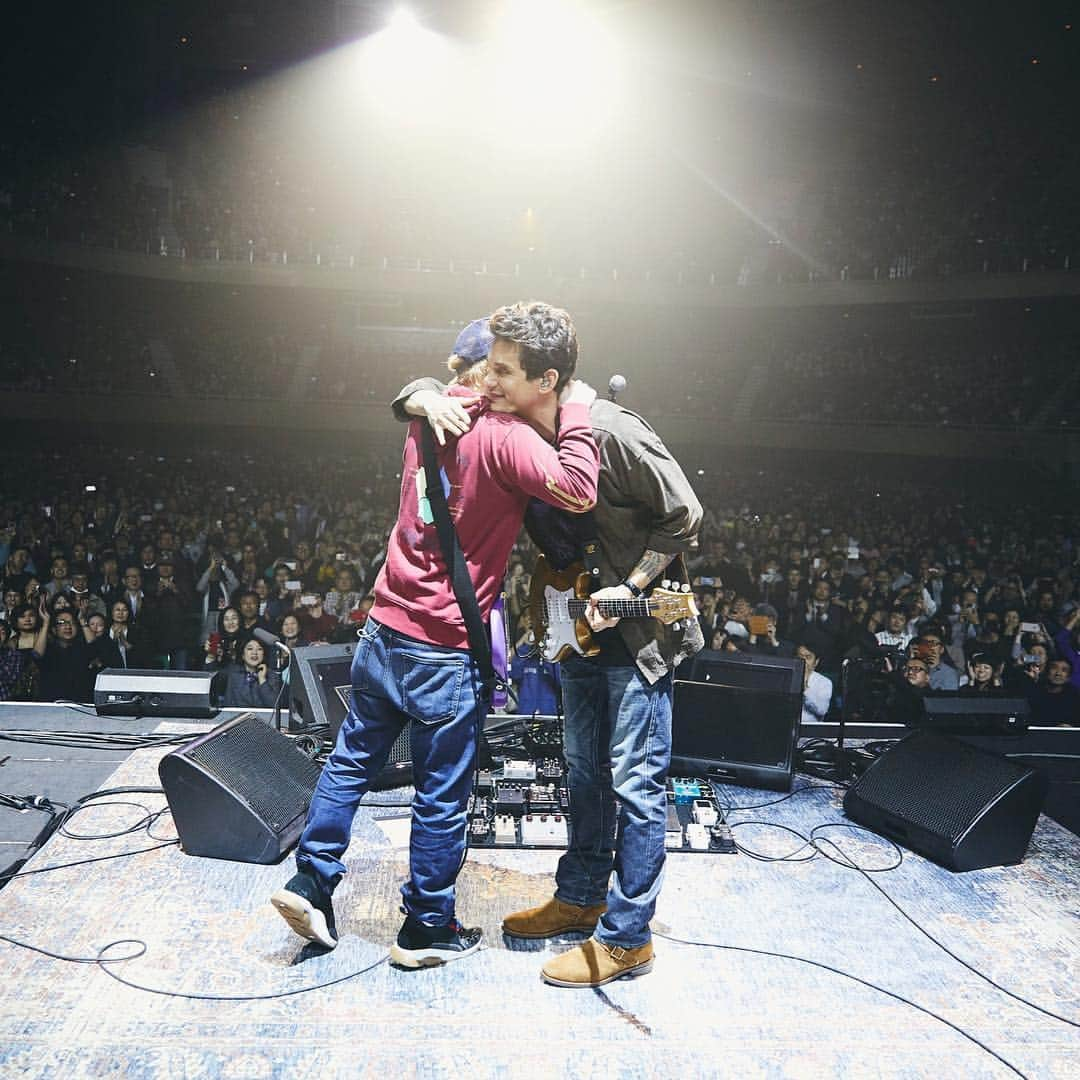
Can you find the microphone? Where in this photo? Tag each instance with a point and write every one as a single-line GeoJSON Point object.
{"type": "Point", "coordinates": [616, 385]}
{"type": "Point", "coordinates": [271, 639]}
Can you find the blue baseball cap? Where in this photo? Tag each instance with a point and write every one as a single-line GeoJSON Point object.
{"type": "Point", "coordinates": [475, 341]}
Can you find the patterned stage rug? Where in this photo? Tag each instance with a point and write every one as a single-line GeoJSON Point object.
{"type": "Point", "coordinates": [209, 930]}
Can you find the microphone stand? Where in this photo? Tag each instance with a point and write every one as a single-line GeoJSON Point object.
{"type": "Point", "coordinates": [284, 684]}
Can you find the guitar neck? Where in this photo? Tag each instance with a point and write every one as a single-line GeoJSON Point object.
{"type": "Point", "coordinates": [638, 608]}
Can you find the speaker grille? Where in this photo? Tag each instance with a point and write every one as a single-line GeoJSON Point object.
{"type": "Point", "coordinates": [262, 767]}
{"type": "Point", "coordinates": [915, 781]}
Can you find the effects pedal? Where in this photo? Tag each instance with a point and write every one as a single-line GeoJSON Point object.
{"type": "Point", "coordinates": [547, 830]}
{"type": "Point", "coordinates": [505, 829]}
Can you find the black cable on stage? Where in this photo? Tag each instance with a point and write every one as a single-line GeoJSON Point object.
{"type": "Point", "coordinates": [760, 856]}
{"type": "Point", "coordinates": [82, 707]}
{"type": "Point", "coordinates": [850, 864]}
{"type": "Point", "coordinates": [784, 798]}
{"type": "Point", "coordinates": [847, 862]}
{"type": "Point", "coordinates": [847, 975]}
{"type": "Point", "coordinates": [60, 820]}
{"type": "Point", "coordinates": [87, 862]}
{"type": "Point", "coordinates": [81, 959]}
{"type": "Point", "coordinates": [141, 949]}
{"type": "Point", "coordinates": [101, 960]}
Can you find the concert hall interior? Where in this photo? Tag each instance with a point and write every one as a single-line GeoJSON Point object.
{"type": "Point", "coordinates": [504, 498]}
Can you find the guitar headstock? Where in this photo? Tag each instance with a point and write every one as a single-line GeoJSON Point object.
{"type": "Point", "coordinates": [670, 607]}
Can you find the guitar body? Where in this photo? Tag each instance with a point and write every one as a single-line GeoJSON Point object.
{"type": "Point", "coordinates": [558, 633]}
{"type": "Point", "coordinates": [558, 600]}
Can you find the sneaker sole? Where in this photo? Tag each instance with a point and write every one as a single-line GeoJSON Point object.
{"type": "Point", "coordinates": [425, 958]}
{"type": "Point", "coordinates": [580, 928]}
{"type": "Point", "coordinates": [628, 973]}
{"type": "Point", "coordinates": [303, 918]}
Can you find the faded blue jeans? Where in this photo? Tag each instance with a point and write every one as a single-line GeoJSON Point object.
{"type": "Point", "coordinates": [618, 749]}
{"type": "Point", "coordinates": [397, 678]}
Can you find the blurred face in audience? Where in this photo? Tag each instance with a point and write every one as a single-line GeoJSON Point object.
{"type": "Point", "coordinates": [120, 612]}
{"type": "Point", "coordinates": [12, 598]}
{"type": "Point", "coordinates": [917, 674]}
{"type": "Point", "coordinates": [897, 622]}
{"type": "Point", "coordinates": [59, 569]}
{"type": "Point", "coordinates": [983, 673]}
{"type": "Point", "coordinates": [96, 622]}
{"type": "Point", "coordinates": [132, 580]}
{"type": "Point", "coordinates": [27, 621]}
{"type": "Point", "coordinates": [935, 648]}
{"type": "Point", "coordinates": [1058, 672]}
{"type": "Point", "coordinates": [249, 606]}
{"type": "Point", "coordinates": [253, 655]}
{"type": "Point", "coordinates": [290, 627]}
{"type": "Point", "coordinates": [230, 621]}
{"type": "Point", "coordinates": [66, 627]}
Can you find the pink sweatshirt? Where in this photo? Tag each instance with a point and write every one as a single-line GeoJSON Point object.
{"type": "Point", "coordinates": [492, 472]}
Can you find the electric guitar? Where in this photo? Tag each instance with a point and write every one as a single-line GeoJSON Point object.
{"type": "Point", "coordinates": [558, 600]}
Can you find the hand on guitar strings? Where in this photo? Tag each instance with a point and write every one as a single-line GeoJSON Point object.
{"type": "Point", "coordinates": [597, 621]}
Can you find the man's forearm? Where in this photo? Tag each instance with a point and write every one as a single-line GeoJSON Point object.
{"type": "Point", "coordinates": [416, 404]}
{"type": "Point", "coordinates": [649, 567]}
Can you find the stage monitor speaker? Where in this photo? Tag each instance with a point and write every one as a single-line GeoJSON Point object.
{"type": "Point", "coordinates": [750, 671]}
{"type": "Point", "coordinates": [240, 792]}
{"type": "Point", "coordinates": [735, 735]}
{"type": "Point", "coordinates": [961, 807]}
{"type": "Point", "coordinates": [975, 714]}
{"type": "Point", "coordinates": [137, 692]}
{"type": "Point", "coordinates": [320, 692]}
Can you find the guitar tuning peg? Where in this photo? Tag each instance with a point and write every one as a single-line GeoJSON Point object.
{"type": "Point", "coordinates": [686, 586]}
{"type": "Point", "coordinates": [676, 626]}
{"type": "Point", "coordinates": [665, 584]}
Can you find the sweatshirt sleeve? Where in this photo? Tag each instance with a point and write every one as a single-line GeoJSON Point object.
{"type": "Point", "coordinates": [564, 477]}
{"type": "Point", "coordinates": [403, 395]}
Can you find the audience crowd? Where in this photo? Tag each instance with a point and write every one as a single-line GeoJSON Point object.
{"type": "Point", "coordinates": [933, 198]}
{"type": "Point", "coordinates": [1005, 364]}
{"type": "Point", "coordinates": [951, 578]}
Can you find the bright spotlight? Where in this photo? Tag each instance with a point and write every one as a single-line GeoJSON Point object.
{"type": "Point", "coordinates": [404, 69]}
{"type": "Point", "coordinates": [403, 21]}
{"type": "Point", "coordinates": [555, 59]}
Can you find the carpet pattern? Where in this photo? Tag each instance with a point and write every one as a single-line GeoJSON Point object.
{"type": "Point", "coordinates": [209, 930]}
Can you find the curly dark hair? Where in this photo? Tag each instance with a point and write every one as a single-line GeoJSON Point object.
{"type": "Point", "coordinates": [546, 335]}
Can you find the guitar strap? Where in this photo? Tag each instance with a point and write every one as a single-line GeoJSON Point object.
{"type": "Point", "coordinates": [491, 683]}
{"type": "Point", "coordinates": [585, 530]}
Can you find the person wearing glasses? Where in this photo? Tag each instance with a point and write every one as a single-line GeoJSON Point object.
{"type": "Point", "coordinates": [930, 646]}
{"type": "Point", "coordinates": [65, 657]}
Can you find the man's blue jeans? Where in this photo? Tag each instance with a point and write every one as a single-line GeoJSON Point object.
{"type": "Point", "coordinates": [395, 679]}
{"type": "Point", "coordinates": [618, 749]}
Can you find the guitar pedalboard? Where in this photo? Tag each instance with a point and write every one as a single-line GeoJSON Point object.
{"type": "Point", "coordinates": [524, 802]}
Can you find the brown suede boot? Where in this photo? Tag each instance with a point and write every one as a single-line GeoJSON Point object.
{"type": "Point", "coordinates": [593, 963]}
{"type": "Point", "coordinates": [551, 918]}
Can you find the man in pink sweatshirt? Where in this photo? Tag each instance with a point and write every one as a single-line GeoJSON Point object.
{"type": "Point", "coordinates": [412, 660]}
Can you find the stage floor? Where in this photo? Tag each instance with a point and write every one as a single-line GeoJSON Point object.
{"type": "Point", "coordinates": [209, 930]}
